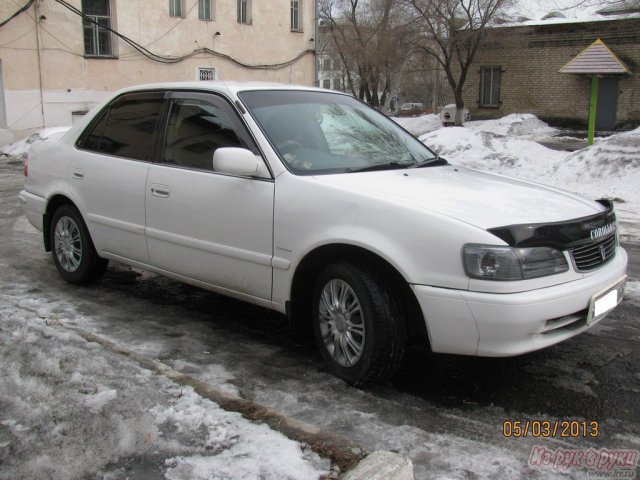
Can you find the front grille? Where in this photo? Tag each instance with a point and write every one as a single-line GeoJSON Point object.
{"type": "Point", "coordinates": [593, 254]}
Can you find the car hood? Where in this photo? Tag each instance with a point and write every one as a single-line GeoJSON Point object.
{"type": "Point", "coordinates": [481, 199]}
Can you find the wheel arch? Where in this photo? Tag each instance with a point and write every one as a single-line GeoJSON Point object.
{"type": "Point", "coordinates": [299, 305]}
{"type": "Point", "coordinates": [52, 205]}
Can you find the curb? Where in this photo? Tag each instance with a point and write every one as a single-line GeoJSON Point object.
{"type": "Point", "coordinates": [350, 458]}
{"type": "Point", "coordinates": [381, 465]}
{"type": "Point", "coordinates": [340, 450]}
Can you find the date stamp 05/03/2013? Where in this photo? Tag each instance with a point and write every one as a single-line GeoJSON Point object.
{"type": "Point", "coordinates": [551, 428]}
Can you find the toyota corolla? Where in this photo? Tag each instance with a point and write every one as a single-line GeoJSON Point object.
{"type": "Point", "coordinates": [313, 204]}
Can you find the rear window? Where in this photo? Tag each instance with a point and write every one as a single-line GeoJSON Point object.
{"type": "Point", "coordinates": [127, 127]}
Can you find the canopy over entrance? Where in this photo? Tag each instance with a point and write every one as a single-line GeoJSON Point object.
{"type": "Point", "coordinates": [596, 59]}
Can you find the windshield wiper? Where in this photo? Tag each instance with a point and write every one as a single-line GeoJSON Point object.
{"type": "Point", "coordinates": [432, 162]}
{"type": "Point", "coordinates": [377, 166]}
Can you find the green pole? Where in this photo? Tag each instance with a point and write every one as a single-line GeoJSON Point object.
{"type": "Point", "coordinates": [592, 109]}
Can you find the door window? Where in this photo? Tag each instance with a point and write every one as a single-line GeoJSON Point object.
{"type": "Point", "coordinates": [126, 128]}
{"type": "Point", "coordinates": [197, 127]}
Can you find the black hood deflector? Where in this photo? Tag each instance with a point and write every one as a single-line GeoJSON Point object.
{"type": "Point", "coordinates": [559, 235]}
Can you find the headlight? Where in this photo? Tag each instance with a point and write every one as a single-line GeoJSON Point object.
{"type": "Point", "coordinates": [488, 262]}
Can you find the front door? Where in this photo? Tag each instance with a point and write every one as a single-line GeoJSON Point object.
{"type": "Point", "coordinates": [607, 107]}
{"type": "Point", "coordinates": [208, 226]}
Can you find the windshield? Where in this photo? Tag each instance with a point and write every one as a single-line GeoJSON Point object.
{"type": "Point", "coordinates": [318, 132]}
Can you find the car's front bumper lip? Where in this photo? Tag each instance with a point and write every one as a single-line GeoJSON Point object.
{"type": "Point", "coordinates": [496, 325]}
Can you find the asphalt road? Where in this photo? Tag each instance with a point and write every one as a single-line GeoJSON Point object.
{"type": "Point", "coordinates": [445, 412]}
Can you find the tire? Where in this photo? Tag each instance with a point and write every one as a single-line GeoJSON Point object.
{"type": "Point", "coordinates": [358, 323]}
{"type": "Point", "coordinates": [72, 249]}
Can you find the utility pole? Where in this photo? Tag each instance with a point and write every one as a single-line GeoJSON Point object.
{"type": "Point", "coordinates": [40, 71]}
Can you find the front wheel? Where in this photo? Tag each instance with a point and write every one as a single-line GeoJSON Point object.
{"type": "Point", "coordinates": [73, 252]}
{"type": "Point", "coordinates": [359, 324]}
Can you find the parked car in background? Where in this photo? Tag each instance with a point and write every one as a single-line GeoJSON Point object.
{"type": "Point", "coordinates": [411, 107]}
{"type": "Point", "coordinates": [311, 203]}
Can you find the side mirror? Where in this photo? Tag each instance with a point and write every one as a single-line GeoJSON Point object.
{"type": "Point", "coordinates": [235, 161]}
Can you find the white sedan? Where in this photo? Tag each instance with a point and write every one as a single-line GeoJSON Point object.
{"type": "Point", "coordinates": [313, 204]}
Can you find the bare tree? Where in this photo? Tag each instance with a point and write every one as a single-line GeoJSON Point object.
{"type": "Point", "coordinates": [451, 33]}
{"type": "Point", "coordinates": [366, 35]}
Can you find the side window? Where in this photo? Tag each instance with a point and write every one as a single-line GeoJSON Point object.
{"type": "Point", "coordinates": [197, 127]}
{"type": "Point", "coordinates": [127, 127]}
{"type": "Point", "coordinates": [91, 139]}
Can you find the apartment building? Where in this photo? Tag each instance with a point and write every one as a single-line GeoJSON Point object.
{"type": "Point", "coordinates": [60, 57]}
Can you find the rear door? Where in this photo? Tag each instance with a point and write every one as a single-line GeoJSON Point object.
{"type": "Point", "coordinates": [109, 173]}
{"type": "Point", "coordinates": [202, 224]}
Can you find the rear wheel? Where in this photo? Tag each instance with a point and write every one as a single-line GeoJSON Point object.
{"type": "Point", "coordinates": [73, 252]}
{"type": "Point", "coordinates": [359, 324]}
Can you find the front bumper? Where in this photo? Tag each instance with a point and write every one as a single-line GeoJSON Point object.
{"type": "Point", "coordinates": [497, 325]}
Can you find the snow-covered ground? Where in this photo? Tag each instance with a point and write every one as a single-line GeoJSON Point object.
{"type": "Point", "coordinates": [110, 418]}
{"type": "Point", "coordinates": [608, 169]}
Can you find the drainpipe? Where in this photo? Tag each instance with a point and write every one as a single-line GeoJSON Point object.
{"type": "Point", "coordinates": [40, 71]}
{"type": "Point", "coordinates": [316, 42]}
{"type": "Point", "coordinates": [592, 109]}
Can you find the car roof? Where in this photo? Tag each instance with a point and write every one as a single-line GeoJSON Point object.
{"type": "Point", "coordinates": [233, 87]}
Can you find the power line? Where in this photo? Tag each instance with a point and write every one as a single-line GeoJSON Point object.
{"type": "Point", "coordinates": [175, 59]}
{"type": "Point", "coordinates": [19, 37]}
{"type": "Point", "coordinates": [22, 9]}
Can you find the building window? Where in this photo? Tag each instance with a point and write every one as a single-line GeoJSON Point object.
{"type": "Point", "coordinates": [295, 16]}
{"type": "Point", "coordinates": [326, 64]}
{"type": "Point", "coordinates": [326, 83]}
{"type": "Point", "coordinates": [97, 21]}
{"type": "Point", "coordinates": [337, 84]}
{"type": "Point", "coordinates": [206, 74]}
{"type": "Point", "coordinates": [175, 8]}
{"type": "Point", "coordinates": [490, 79]}
{"type": "Point", "coordinates": [204, 10]}
{"type": "Point", "coordinates": [244, 11]}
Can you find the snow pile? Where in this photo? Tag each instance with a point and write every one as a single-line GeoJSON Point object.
{"type": "Point", "coordinates": [613, 161]}
{"type": "Point", "coordinates": [608, 169]}
{"type": "Point", "coordinates": [419, 125]}
{"type": "Point", "coordinates": [23, 146]}
{"type": "Point", "coordinates": [517, 124]}
{"type": "Point", "coordinates": [485, 150]}
{"type": "Point", "coordinates": [232, 446]}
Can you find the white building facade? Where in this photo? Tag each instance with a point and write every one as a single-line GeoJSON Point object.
{"type": "Point", "coordinates": [58, 57]}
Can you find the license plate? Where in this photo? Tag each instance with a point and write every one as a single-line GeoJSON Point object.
{"type": "Point", "coordinates": [605, 301]}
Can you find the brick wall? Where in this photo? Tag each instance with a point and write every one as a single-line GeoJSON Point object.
{"type": "Point", "coordinates": [530, 57]}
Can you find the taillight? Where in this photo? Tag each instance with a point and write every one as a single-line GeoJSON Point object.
{"type": "Point", "coordinates": [26, 166]}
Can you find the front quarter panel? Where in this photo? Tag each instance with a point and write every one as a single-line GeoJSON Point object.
{"type": "Point", "coordinates": [423, 246]}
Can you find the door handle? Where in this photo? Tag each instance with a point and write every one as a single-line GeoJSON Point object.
{"type": "Point", "coordinates": [160, 190]}
{"type": "Point", "coordinates": [77, 173]}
